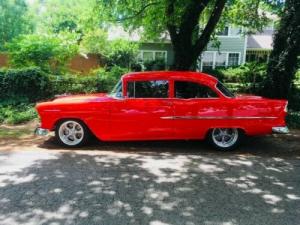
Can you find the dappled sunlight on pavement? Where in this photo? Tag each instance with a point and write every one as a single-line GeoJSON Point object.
{"type": "Point", "coordinates": [153, 183]}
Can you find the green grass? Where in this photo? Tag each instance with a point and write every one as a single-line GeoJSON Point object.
{"type": "Point", "coordinates": [17, 114]}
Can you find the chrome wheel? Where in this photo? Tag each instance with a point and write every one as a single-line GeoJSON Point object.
{"type": "Point", "coordinates": [225, 137]}
{"type": "Point", "coordinates": [71, 133]}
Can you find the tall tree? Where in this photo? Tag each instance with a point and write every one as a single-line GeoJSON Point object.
{"type": "Point", "coordinates": [282, 65]}
{"type": "Point", "coordinates": [14, 20]}
{"type": "Point", "coordinates": [190, 24]}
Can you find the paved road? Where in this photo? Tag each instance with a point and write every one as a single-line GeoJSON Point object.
{"type": "Point", "coordinates": [155, 183]}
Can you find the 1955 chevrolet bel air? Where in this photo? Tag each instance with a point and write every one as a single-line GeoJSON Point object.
{"type": "Point", "coordinates": [162, 106]}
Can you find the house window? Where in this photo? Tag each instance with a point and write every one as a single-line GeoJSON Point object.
{"type": "Point", "coordinates": [207, 61]}
{"type": "Point", "coordinates": [160, 55]}
{"type": "Point", "coordinates": [145, 56]}
{"type": "Point", "coordinates": [220, 60]}
{"type": "Point", "coordinates": [233, 59]}
{"type": "Point", "coordinates": [148, 56]}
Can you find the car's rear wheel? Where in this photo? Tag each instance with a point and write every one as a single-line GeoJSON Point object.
{"type": "Point", "coordinates": [71, 133]}
{"type": "Point", "coordinates": [225, 138]}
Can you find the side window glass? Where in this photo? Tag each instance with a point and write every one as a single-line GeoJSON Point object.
{"type": "Point", "coordinates": [148, 89]}
{"type": "Point", "coordinates": [185, 89]}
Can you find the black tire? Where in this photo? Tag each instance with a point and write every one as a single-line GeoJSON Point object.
{"type": "Point", "coordinates": [79, 140]}
{"type": "Point", "coordinates": [233, 144]}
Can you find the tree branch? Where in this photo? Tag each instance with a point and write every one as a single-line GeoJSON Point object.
{"type": "Point", "coordinates": [209, 28]}
{"type": "Point", "coordinates": [137, 13]}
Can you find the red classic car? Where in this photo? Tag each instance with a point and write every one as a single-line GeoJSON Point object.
{"type": "Point", "coordinates": [162, 106]}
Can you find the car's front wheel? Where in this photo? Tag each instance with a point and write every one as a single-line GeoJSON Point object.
{"type": "Point", "coordinates": [71, 133]}
{"type": "Point", "coordinates": [225, 138]}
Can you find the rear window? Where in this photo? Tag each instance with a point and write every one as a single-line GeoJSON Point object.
{"type": "Point", "coordinates": [148, 89]}
{"type": "Point", "coordinates": [187, 89]}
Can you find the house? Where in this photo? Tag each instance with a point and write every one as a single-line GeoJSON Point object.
{"type": "Point", "coordinates": [235, 48]}
{"type": "Point", "coordinates": [259, 45]}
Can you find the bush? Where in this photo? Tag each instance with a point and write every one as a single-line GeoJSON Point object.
{"type": "Point", "coordinates": [17, 114]}
{"type": "Point", "coordinates": [249, 75]}
{"type": "Point", "coordinates": [98, 81]}
{"type": "Point", "coordinates": [27, 85]}
{"type": "Point", "coordinates": [50, 53]}
{"type": "Point", "coordinates": [294, 100]}
{"type": "Point", "coordinates": [293, 119]}
{"type": "Point", "coordinates": [155, 65]}
{"type": "Point", "coordinates": [121, 53]}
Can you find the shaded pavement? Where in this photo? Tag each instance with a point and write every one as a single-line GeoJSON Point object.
{"type": "Point", "coordinates": [155, 183]}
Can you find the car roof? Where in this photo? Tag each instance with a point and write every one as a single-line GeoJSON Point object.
{"type": "Point", "coordinates": [180, 75]}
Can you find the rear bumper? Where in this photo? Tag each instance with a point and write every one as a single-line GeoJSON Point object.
{"type": "Point", "coordinates": [41, 132]}
{"type": "Point", "coordinates": [280, 130]}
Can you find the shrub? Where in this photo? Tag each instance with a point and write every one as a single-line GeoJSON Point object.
{"type": "Point", "coordinates": [294, 100]}
{"type": "Point", "coordinates": [98, 81]}
{"type": "Point", "coordinates": [121, 53]}
{"type": "Point", "coordinates": [17, 114]}
{"type": "Point", "coordinates": [249, 75]}
{"type": "Point", "coordinates": [293, 119]}
{"type": "Point", "coordinates": [50, 53]}
{"type": "Point", "coordinates": [154, 65]}
{"type": "Point", "coordinates": [27, 85]}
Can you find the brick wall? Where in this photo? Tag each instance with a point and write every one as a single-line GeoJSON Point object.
{"type": "Point", "coordinates": [3, 60]}
{"type": "Point", "coordinates": [80, 64]}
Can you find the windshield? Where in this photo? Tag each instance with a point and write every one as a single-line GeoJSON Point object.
{"type": "Point", "coordinates": [117, 90]}
{"type": "Point", "coordinates": [225, 90]}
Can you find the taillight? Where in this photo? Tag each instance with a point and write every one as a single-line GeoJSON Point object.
{"type": "Point", "coordinates": [286, 106]}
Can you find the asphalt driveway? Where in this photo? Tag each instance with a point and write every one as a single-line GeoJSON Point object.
{"type": "Point", "coordinates": [155, 183]}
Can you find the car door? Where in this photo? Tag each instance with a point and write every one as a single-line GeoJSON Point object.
{"type": "Point", "coordinates": [197, 107]}
{"type": "Point", "coordinates": [138, 115]}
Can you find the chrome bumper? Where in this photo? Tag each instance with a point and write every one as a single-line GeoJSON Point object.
{"type": "Point", "coordinates": [41, 132]}
{"type": "Point", "coordinates": [280, 130]}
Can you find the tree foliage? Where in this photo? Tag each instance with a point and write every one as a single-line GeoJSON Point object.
{"type": "Point", "coordinates": [282, 64]}
{"type": "Point", "coordinates": [14, 20]}
{"type": "Point", "coordinates": [191, 24]}
{"type": "Point", "coordinates": [72, 16]}
{"type": "Point", "coordinates": [95, 41]}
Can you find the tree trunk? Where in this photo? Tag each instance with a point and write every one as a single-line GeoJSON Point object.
{"type": "Point", "coordinates": [187, 43]}
{"type": "Point", "coordinates": [282, 64]}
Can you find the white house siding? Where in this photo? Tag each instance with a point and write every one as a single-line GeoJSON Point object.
{"type": "Point", "coordinates": [234, 43]}
{"type": "Point", "coordinates": [229, 45]}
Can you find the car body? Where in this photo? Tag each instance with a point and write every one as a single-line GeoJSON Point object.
{"type": "Point", "coordinates": [165, 106]}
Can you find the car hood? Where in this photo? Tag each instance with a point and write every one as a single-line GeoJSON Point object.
{"type": "Point", "coordinates": [81, 98]}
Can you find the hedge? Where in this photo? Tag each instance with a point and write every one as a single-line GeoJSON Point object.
{"type": "Point", "coordinates": [32, 84]}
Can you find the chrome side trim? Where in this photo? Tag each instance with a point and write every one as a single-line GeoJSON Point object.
{"type": "Point", "coordinates": [215, 117]}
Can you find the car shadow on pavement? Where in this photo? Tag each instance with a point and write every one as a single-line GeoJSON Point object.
{"type": "Point", "coordinates": [268, 146]}
{"type": "Point", "coordinates": [120, 187]}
